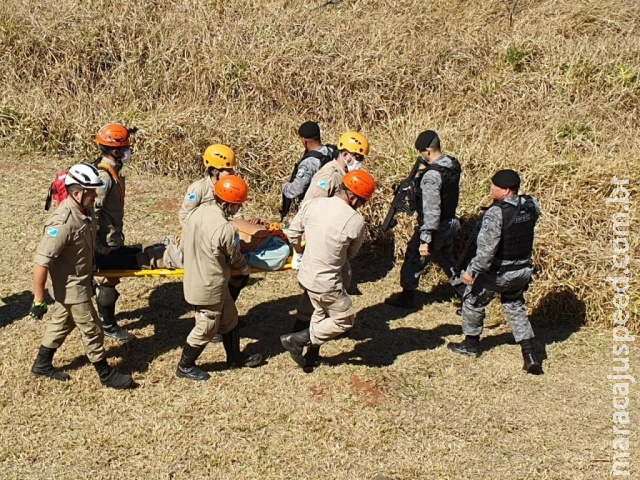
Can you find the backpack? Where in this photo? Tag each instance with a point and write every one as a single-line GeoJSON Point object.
{"type": "Point", "coordinates": [57, 191]}
{"type": "Point", "coordinates": [324, 159]}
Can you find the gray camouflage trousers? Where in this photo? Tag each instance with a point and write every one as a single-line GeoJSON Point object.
{"type": "Point", "coordinates": [511, 287]}
{"type": "Point", "coordinates": [441, 253]}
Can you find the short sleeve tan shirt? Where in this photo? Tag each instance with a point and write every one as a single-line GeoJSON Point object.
{"type": "Point", "coordinates": [211, 249]}
{"type": "Point", "coordinates": [326, 181]}
{"type": "Point", "coordinates": [334, 233]}
{"type": "Point", "coordinates": [67, 250]}
{"type": "Point", "coordinates": [109, 209]}
{"type": "Point", "coordinates": [198, 193]}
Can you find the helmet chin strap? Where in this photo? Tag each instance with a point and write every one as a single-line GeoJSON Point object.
{"type": "Point", "coordinates": [79, 203]}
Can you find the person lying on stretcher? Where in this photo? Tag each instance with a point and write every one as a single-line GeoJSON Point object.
{"type": "Point", "coordinates": [265, 247]}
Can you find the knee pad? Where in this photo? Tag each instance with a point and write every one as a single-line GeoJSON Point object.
{"type": "Point", "coordinates": [106, 296]}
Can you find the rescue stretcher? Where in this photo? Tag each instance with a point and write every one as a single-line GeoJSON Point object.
{"type": "Point", "coordinates": [274, 229]}
{"type": "Point", "coordinates": [171, 273]}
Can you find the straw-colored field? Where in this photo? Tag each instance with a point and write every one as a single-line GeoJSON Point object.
{"type": "Point", "coordinates": [391, 399]}
{"type": "Point", "coordinates": [550, 88]}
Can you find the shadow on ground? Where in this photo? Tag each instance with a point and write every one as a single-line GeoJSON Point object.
{"type": "Point", "coordinates": [556, 317]}
{"type": "Point", "coordinates": [166, 306]}
{"type": "Point", "coordinates": [16, 306]}
{"type": "Point", "coordinates": [378, 345]}
{"type": "Point", "coordinates": [373, 262]}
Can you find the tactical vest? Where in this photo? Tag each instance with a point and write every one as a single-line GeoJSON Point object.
{"type": "Point", "coordinates": [518, 222]}
{"type": "Point", "coordinates": [324, 159]}
{"type": "Point", "coordinates": [450, 189]}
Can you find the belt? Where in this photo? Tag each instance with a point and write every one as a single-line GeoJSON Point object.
{"type": "Point", "coordinates": [500, 269]}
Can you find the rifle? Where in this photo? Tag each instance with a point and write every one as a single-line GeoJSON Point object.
{"type": "Point", "coordinates": [405, 197]}
{"type": "Point", "coordinates": [287, 202]}
{"type": "Point", "coordinates": [469, 250]}
{"type": "Point", "coordinates": [286, 206]}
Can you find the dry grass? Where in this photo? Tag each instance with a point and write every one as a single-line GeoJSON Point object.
{"type": "Point", "coordinates": [555, 95]}
{"type": "Point", "coordinates": [391, 399]}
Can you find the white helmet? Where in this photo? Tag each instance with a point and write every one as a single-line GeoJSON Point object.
{"type": "Point", "coordinates": [85, 175]}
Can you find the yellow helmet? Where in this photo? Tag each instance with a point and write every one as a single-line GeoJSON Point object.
{"type": "Point", "coordinates": [219, 156]}
{"type": "Point", "coordinates": [353, 142]}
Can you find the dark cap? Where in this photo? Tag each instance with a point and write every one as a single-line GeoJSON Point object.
{"type": "Point", "coordinates": [506, 179]}
{"type": "Point", "coordinates": [309, 130]}
{"type": "Point", "coordinates": [426, 139]}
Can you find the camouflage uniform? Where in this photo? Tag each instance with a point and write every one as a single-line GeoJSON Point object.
{"type": "Point", "coordinates": [305, 170]}
{"type": "Point", "coordinates": [491, 280]}
{"type": "Point", "coordinates": [439, 232]}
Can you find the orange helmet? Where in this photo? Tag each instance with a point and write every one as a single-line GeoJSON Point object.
{"type": "Point", "coordinates": [231, 189]}
{"type": "Point", "coordinates": [113, 135]}
{"type": "Point", "coordinates": [360, 182]}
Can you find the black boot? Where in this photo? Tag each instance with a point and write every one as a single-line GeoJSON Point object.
{"type": "Point", "coordinates": [405, 299]}
{"type": "Point", "coordinates": [110, 327]}
{"type": "Point", "coordinates": [112, 378]}
{"type": "Point", "coordinates": [235, 358]}
{"type": "Point", "coordinates": [294, 343]}
{"type": "Point", "coordinates": [531, 363]}
{"type": "Point", "coordinates": [43, 366]}
{"type": "Point", "coordinates": [299, 325]}
{"type": "Point", "coordinates": [187, 367]}
{"type": "Point", "coordinates": [311, 357]}
{"type": "Point", "coordinates": [470, 346]}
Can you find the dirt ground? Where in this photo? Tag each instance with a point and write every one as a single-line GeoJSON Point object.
{"type": "Point", "coordinates": [390, 401]}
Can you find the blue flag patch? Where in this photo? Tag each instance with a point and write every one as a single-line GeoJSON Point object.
{"type": "Point", "coordinates": [52, 232]}
{"type": "Point", "coordinates": [191, 197]}
{"type": "Point", "coordinates": [322, 184]}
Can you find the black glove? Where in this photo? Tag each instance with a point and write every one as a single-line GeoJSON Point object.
{"type": "Point", "coordinates": [236, 284]}
{"type": "Point", "coordinates": [38, 309]}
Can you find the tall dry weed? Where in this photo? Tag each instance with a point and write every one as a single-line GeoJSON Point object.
{"type": "Point", "coordinates": [549, 88]}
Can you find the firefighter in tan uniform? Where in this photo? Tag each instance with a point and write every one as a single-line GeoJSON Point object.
{"type": "Point", "coordinates": [220, 161]}
{"type": "Point", "coordinates": [111, 252]}
{"type": "Point", "coordinates": [334, 233]}
{"type": "Point", "coordinates": [211, 249]}
{"type": "Point", "coordinates": [352, 148]}
{"type": "Point", "coordinates": [66, 254]}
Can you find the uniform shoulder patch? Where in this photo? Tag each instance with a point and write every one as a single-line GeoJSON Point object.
{"type": "Point", "coordinates": [191, 197]}
{"type": "Point", "coordinates": [322, 183]}
{"type": "Point", "coordinates": [52, 232]}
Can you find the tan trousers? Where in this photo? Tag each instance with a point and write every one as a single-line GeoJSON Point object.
{"type": "Point", "coordinates": [332, 315]}
{"type": "Point", "coordinates": [64, 318]}
{"type": "Point", "coordinates": [210, 319]}
{"type": "Point", "coordinates": [305, 308]}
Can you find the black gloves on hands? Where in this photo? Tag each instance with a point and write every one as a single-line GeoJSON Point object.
{"type": "Point", "coordinates": [38, 309]}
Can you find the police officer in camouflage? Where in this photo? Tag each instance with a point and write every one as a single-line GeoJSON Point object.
{"type": "Point", "coordinates": [502, 266]}
{"type": "Point", "coordinates": [316, 155]}
{"type": "Point", "coordinates": [437, 222]}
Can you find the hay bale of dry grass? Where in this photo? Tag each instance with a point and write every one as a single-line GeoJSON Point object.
{"type": "Point", "coordinates": [549, 88]}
